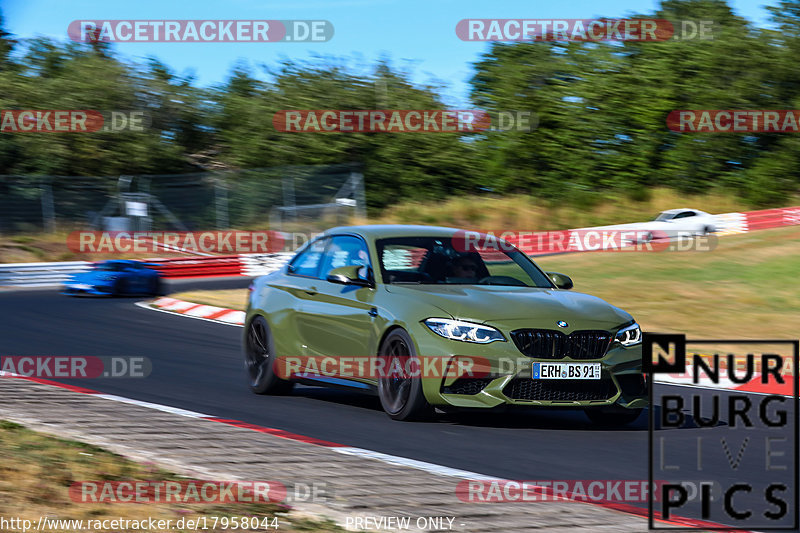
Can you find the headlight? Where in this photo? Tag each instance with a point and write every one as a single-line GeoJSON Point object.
{"type": "Point", "coordinates": [630, 335]}
{"type": "Point", "coordinates": [464, 331]}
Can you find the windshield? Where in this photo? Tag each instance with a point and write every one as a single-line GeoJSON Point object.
{"type": "Point", "coordinates": [665, 216]}
{"type": "Point", "coordinates": [109, 267]}
{"type": "Point", "coordinates": [434, 260]}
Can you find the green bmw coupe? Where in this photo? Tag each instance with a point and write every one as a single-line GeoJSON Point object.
{"type": "Point", "coordinates": [423, 320]}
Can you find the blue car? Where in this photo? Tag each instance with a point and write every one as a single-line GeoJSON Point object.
{"type": "Point", "coordinates": [116, 277]}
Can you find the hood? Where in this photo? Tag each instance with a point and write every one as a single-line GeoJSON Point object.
{"type": "Point", "coordinates": [92, 276]}
{"type": "Point", "coordinates": [518, 306]}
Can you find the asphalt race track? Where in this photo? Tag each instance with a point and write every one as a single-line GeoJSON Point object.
{"type": "Point", "coordinates": [197, 366]}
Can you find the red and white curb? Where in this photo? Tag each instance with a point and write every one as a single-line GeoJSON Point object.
{"type": "Point", "coordinates": [431, 468]}
{"type": "Point", "coordinates": [232, 317]}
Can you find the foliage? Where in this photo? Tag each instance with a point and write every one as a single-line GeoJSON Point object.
{"type": "Point", "coordinates": [601, 110]}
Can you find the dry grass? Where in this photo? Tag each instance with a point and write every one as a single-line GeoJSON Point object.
{"type": "Point", "coordinates": [38, 247]}
{"type": "Point", "coordinates": [517, 213]}
{"type": "Point", "coordinates": [746, 288]}
{"type": "Point", "coordinates": [36, 472]}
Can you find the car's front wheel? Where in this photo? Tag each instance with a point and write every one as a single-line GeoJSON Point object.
{"type": "Point", "coordinates": [612, 416]}
{"type": "Point", "coordinates": [259, 357]}
{"type": "Point", "coordinates": [399, 387]}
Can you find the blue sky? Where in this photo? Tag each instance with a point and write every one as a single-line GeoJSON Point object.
{"type": "Point", "coordinates": [413, 34]}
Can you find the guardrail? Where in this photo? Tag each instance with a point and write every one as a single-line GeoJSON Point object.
{"type": "Point", "coordinates": [773, 218]}
{"type": "Point", "coordinates": [39, 274]}
{"type": "Point", "coordinates": [54, 274]}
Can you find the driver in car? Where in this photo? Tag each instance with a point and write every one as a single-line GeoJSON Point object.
{"type": "Point", "coordinates": [464, 269]}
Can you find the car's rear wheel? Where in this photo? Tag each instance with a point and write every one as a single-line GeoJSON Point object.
{"type": "Point", "coordinates": [612, 416]}
{"type": "Point", "coordinates": [400, 388]}
{"type": "Point", "coordinates": [259, 357]}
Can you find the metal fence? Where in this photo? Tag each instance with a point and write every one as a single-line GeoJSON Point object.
{"type": "Point", "coordinates": [277, 198]}
{"type": "Point", "coordinates": [40, 274]}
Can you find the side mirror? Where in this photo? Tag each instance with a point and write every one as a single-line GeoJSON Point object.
{"type": "Point", "coordinates": [351, 275]}
{"type": "Point", "coordinates": [562, 281]}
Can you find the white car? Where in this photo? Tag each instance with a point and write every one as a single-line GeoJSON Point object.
{"type": "Point", "coordinates": [670, 224]}
{"type": "Point", "coordinates": [680, 222]}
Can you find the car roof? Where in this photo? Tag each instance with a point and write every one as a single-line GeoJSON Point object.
{"type": "Point", "coordinates": [381, 231]}
{"type": "Point", "coordinates": [681, 210]}
{"type": "Point", "coordinates": [118, 262]}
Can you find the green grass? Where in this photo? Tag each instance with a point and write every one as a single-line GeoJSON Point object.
{"type": "Point", "coordinates": [527, 213]}
{"type": "Point", "coordinates": [745, 288]}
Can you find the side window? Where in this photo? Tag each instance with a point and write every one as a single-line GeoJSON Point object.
{"type": "Point", "coordinates": [307, 262]}
{"type": "Point", "coordinates": [344, 250]}
{"type": "Point", "coordinates": [685, 214]}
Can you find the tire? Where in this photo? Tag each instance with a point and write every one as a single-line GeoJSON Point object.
{"type": "Point", "coordinates": [612, 416]}
{"type": "Point", "coordinates": [259, 356]}
{"type": "Point", "coordinates": [120, 287]}
{"type": "Point", "coordinates": [155, 287]}
{"type": "Point", "coordinates": [401, 397]}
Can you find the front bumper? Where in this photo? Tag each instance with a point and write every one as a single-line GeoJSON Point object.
{"type": "Point", "coordinates": [76, 289]}
{"type": "Point", "coordinates": [507, 379]}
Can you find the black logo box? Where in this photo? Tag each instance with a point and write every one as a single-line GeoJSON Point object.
{"type": "Point", "coordinates": [664, 341]}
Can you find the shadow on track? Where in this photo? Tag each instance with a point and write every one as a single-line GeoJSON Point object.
{"type": "Point", "coordinates": [556, 419]}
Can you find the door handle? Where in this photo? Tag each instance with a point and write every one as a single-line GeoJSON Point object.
{"type": "Point", "coordinates": [311, 291]}
{"type": "Point", "coordinates": [373, 312]}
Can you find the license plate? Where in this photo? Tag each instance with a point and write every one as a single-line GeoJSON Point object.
{"type": "Point", "coordinates": [566, 370]}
